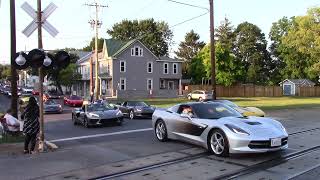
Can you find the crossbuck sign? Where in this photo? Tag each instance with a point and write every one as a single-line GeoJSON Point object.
{"type": "Point", "coordinates": [34, 24]}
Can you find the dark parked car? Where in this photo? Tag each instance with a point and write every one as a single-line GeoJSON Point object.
{"type": "Point", "coordinates": [51, 106]}
{"type": "Point", "coordinates": [96, 114]}
{"type": "Point", "coordinates": [134, 109]}
{"type": "Point", "coordinates": [53, 95]}
{"type": "Point", "coordinates": [73, 101]}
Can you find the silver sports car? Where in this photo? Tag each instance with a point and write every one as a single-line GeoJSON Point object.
{"type": "Point", "coordinates": [96, 114]}
{"type": "Point", "coordinates": [219, 128]}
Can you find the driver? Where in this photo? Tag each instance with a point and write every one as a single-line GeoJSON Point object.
{"type": "Point", "coordinates": [187, 110]}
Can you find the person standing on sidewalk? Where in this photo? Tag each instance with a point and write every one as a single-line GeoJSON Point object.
{"type": "Point", "coordinates": [31, 125]}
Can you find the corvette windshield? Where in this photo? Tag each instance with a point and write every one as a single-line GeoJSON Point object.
{"type": "Point", "coordinates": [214, 111]}
{"type": "Point", "coordinates": [137, 104]}
{"type": "Point", "coordinates": [99, 107]}
{"type": "Point", "coordinates": [231, 104]}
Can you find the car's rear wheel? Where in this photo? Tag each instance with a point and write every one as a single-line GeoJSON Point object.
{"type": "Point", "coordinates": [86, 123]}
{"type": "Point", "coordinates": [200, 99]}
{"type": "Point", "coordinates": [161, 131]}
{"type": "Point", "coordinates": [131, 114]}
{"type": "Point", "coordinates": [218, 143]}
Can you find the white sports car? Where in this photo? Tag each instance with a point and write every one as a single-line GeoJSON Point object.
{"type": "Point", "coordinates": [219, 128]}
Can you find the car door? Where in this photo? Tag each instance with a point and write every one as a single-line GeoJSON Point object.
{"type": "Point", "coordinates": [188, 129]}
{"type": "Point", "coordinates": [194, 95]}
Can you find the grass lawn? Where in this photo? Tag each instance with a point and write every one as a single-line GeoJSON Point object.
{"type": "Point", "coordinates": [11, 139]}
{"type": "Point", "coordinates": [261, 102]}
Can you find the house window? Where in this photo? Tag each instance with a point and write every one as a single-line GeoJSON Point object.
{"type": "Point", "coordinates": [149, 84]}
{"type": "Point", "coordinates": [122, 66]}
{"type": "Point", "coordinates": [123, 84]}
{"type": "Point", "coordinates": [175, 68]}
{"type": "Point", "coordinates": [162, 84]}
{"type": "Point", "coordinates": [137, 51]}
{"type": "Point", "coordinates": [150, 67]}
{"type": "Point", "coordinates": [170, 85]}
{"type": "Point", "coordinates": [165, 68]}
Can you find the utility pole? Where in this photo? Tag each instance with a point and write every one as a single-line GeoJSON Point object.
{"type": "Point", "coordinates": [14, 99]}
{"type": "Point", "coordinates": [212, 51]}
{"type": "Point", "coordinates": [96, 24]}
{"type": "Point", "coordinates": [40, 46]}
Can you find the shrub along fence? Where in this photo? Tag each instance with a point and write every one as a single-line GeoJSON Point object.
{"type": "Point", "coordinates": [255, 91]}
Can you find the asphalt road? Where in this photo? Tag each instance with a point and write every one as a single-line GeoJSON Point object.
{"type": "Point", "coordinates": [85, 152]}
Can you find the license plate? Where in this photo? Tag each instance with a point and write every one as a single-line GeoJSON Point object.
{"type": "Point", "coordinates": [275, 142]}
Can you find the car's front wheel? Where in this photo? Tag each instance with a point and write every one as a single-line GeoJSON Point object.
{"type": "Point", "coordinates": [131, 114]}
{"type": "Point", "coordinates": [218, 143]}
{"type": "Point", "coordinates": [189, 97]}
{"type": "Point", "coordinates": [161, 131]}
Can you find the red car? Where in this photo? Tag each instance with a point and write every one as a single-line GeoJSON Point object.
{"type": "Point", "coordinates": [35, 92]}
{"type": "Point", "coordinates": [73, 101]}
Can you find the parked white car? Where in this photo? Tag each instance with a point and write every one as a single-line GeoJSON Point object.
{"type": "Point", "coordinates": [200, 95]}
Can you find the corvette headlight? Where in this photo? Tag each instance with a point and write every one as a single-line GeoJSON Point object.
{"type": "Point", "coordinates": [119, 113]}
{"type": "Point", "coordinates": [94, 115]}
{"type": "Point", "coordinates": [236, 129]}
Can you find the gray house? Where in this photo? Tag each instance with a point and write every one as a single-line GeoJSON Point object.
{"type": "Point", "coordinates": [290, 86]}
{"type": "Point", "coordinates": [130, 69]}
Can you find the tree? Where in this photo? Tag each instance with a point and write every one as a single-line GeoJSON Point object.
{"type": "Point", "coordinates": [188, 49]}
{"type": "Point", "coordinates": [278, 50]}
{"type": "Point", "coordinates": [91, 46]}
{"type": "Point", "coordinates": [224, 34]}
{"type": "Point", "coordinates": [69, 76]}
{"type": "Point", "coordinates": [201, 65]}
{"type": "Point", "coordinates": [5, 71]}
{"type": "Point", "coordinates": [251, 53]}
{"type": "Point", "coordinates": [303, 38]}
{"type": "Point", "coordinates": [155, 35]}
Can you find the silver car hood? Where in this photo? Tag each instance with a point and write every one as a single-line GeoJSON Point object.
{"type": "Point", "coordinates": [256, 126]}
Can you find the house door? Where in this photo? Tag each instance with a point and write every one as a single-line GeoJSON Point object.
{"type": "Point", "coordinates": [170, 85]}
{"type": "Point", "coordinates": [287, 89]}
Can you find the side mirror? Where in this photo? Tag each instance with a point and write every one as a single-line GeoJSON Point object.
{"type": "Point", "coordinates": [185, 116]}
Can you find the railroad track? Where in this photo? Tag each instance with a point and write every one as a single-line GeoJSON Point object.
{"type": "Point", "coordinates": [244, 171]}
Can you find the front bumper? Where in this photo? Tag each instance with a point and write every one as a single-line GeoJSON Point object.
{"type": "Point", "coordinates": [105, 121]}
{"type": "Point", "coordinates": [47, 111]}
{"type": "Point", "coordinates": [242, 145]}
{"type": "Point", "coordinates": [144, 114]}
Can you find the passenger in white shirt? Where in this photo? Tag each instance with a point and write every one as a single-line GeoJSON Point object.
{"type": "Point", "coordinates": [12, 122]}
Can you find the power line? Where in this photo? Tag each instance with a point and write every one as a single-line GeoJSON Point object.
{"type": "Point", "coordinates": [191, 5]}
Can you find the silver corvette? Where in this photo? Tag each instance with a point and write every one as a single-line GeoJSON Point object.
{"type": "Point", "coordinates": [219, 128]}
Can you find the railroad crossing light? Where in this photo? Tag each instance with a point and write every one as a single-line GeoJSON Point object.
{"type": "Point", "coordinates": [49, 61]}
{"type": "Point", "coordinates": [62, 59]}
{"type": "Point", "coordinates": [36, 57]}
{"type": "Point", "coordinates": [21, 61]}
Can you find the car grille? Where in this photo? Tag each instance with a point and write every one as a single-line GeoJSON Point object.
{"type": "Point", "coordinates": [266, 144]}
{"type": "Point", "coordinates": [105, 121]}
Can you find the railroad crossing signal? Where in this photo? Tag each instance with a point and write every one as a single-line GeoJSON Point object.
{"type": "Point", "coordinates": [34, 24]}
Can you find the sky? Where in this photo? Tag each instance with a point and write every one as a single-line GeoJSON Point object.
{"type": "Point", "coordinates": [72, 16]}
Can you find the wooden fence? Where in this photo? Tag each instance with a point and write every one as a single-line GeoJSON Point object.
{"type": "Point", "coordinates": [255, 91]}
